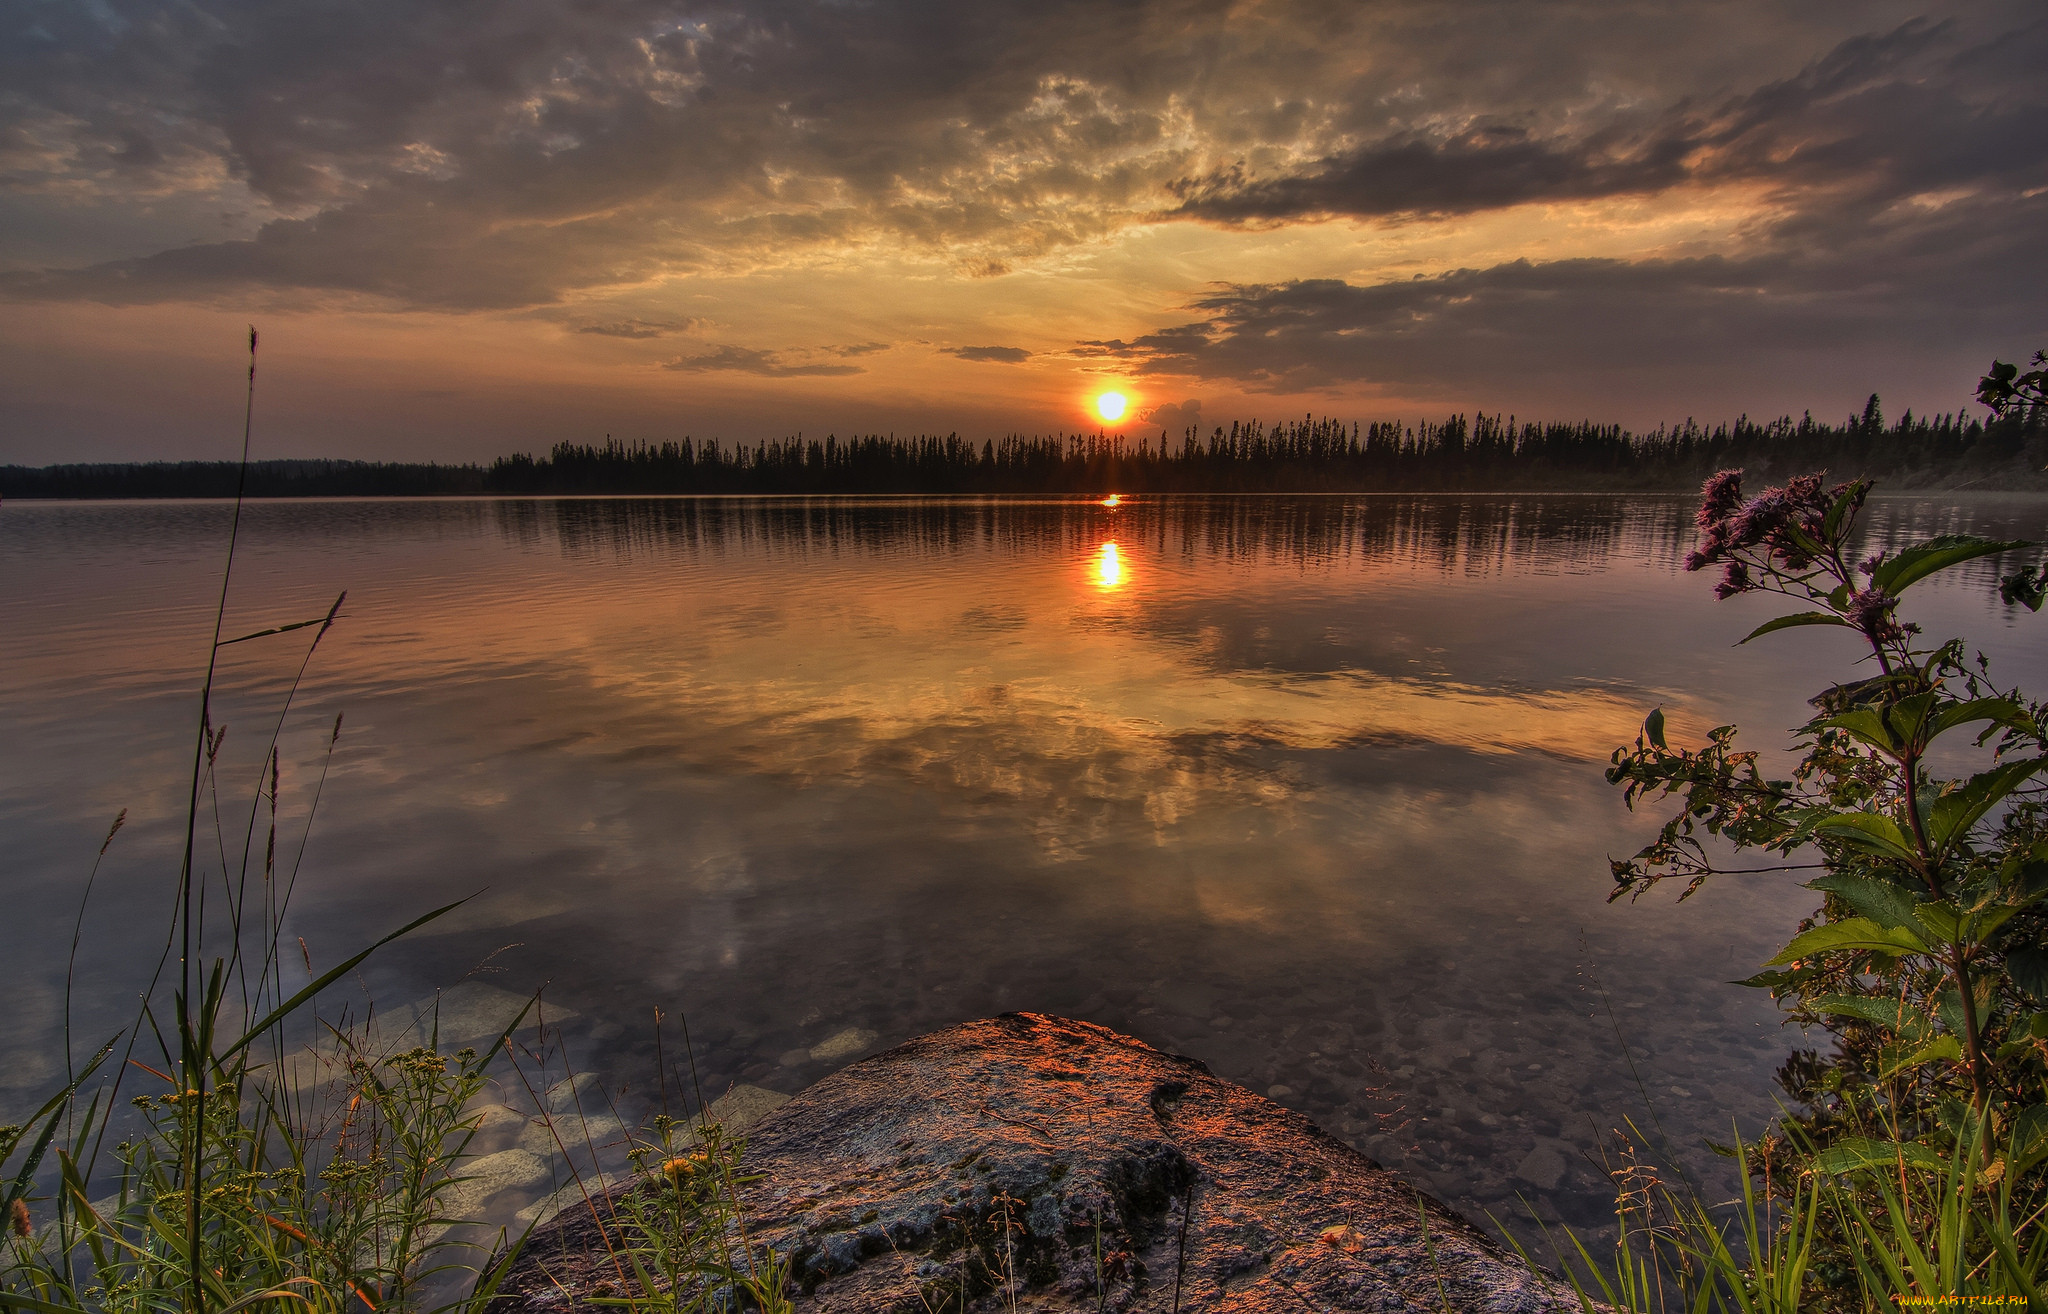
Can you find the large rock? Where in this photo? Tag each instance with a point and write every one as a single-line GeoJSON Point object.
{"type": "Point", "coordinates": [991, 1162]}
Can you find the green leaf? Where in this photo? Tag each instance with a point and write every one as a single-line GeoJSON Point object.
{"type": "Point", "coordinates": [1806, 542]}
{"type": "Point", "coordinates": [2030, 1129]}
{"type": "Point", "coordinates": [1948, 1006]}
{"type": "Point", "coordinates": [12, 1301]}
{"type": "Point", "coordinates": [1942, 1047]}
{"type": "Point", "coordinates": [1871, 832]}
{"type": "Point", "coordinates": [1907, 718]}
{"type": "Point", "coordinates": [1864, 724]}
{"type": "Point", "coordinates": [1855, 1153]}
{"type": "Point", "coordinates": [1984, 925]}
{"type": "Point", "coordinates": [1880, 901]}
{"type": "Point", "coordinates": [2027, 588]}
{"type": "Point", "coordinates": [1796, 618]}
{"type": "Point", "coordinates": [1892, 1013]}
{"type": "Point", "coordinates": [328, 978]}
{"type": "Point", "coordinates": [1653, 729]}
{"type": "Point", "coordinates": [2028, 969]}
{"type": "Point", "coordinates": [1944, 920]}
{"type": "Point", "coordinates": [53, 1110]}
{"type": "Point", "coordinates": [2002, 710]}
{"type": "Point", "coordinates": [1832, 526]}
{"type": "Point", "coordinates": [1938, 553]}
{"type": "Point", "coordinates": [1858, 934]}
{"type": "Point", "coordinates": [1962, 807]}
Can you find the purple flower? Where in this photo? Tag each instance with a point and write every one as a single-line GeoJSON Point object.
{"type": "Point", "coordinates": [1788, 521]}
{"type": "Point", "coordinates": [1871, 612]}
{"type": "Point", "coordinates": [1719, 497]}
{"type": "Point", "coordinates": [1758, 519]}
{"type": "Point", "coordinates": [1734, 579]}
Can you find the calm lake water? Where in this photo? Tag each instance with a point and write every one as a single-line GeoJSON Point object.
{"type": "Point", "coordinates": [1308, 788]}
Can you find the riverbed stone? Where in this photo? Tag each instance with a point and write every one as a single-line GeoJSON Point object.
{"type": "Point", "coordinates": [986, 1166]}
{"type": "Point", "coordinates": [470, 1013]}
{"type": "Point", "coordinates": [1543, 1167]}
{"type": "Point", "coordinates": [743, 1106]}
{"type": "Point", "coordinates": [481, 1178]}
{"type": "Point", "coordinates": [844, 1044]}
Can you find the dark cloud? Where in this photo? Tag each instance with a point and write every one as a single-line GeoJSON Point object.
{"type": "Point", "coordinates": [860, 349]}
{"type": "Point", "coordinates": [1861, 295]}
{"type": "Point", "coordinates": [997, 355]}
{"type": "Point", "coordinates": [1480, 168]}
{"type": "Point", "coordinates": [507, 154]}
{"type": "Point", "coordinates": [1881, 116]}
{"type": "Point", "coordinates": [637, 328]}
{"type": "Point", "coordinates": [767, 364]}
{"type": "Point", "coordinates": [1173, 419]}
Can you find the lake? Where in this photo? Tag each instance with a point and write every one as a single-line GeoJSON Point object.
{"type": "Point", "coordinates": [1308, 788]}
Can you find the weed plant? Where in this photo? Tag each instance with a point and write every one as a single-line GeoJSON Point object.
{"type": "Point", "coordinates": [684, 1243]}
{"type": "Point", "coordinates": [251, 1171]}
{"type": "Point", "coordinates": [1911, 1171]}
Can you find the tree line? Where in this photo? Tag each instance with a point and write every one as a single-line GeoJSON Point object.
{"type": "Point", "coordinates": [1484, 452]}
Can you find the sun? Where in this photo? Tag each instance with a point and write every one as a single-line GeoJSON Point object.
{"type": "Point", "coordinates": [1110, 406]}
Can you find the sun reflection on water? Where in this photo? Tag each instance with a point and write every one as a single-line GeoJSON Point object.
{"type": "Point", "coordinates": [1109, 567]}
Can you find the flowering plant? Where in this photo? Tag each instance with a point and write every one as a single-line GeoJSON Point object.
{"type": "Point", "coordinates": [1928, 958]}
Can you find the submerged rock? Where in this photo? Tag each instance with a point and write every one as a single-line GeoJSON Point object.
{"type": "Point", "coordinates": [844, 1044]}
{"type": "Point", "coordinates": [1054, 1164]}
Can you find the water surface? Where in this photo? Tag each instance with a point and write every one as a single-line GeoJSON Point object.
{"type": "Point", "coordinates": [1306, 787]}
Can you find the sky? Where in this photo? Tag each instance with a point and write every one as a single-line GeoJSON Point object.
{"type": "Point", "coordinates": [482, 226]}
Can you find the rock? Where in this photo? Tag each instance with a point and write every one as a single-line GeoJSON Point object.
{"type": "Point", "coordinates": [843, 1045]}
{"type": "Point", "coordinates": [743, 1106]}
{"type": "Point", "coordinates": [982, 1166]}
{"type": "Point", "coordinates": [1542, 1168]}
{"type": "Point", "coordinates": [565, 1095]}
{"type": "Point", "coordinates": [483, 1177]}
{"type": "Point", "coordinates": [599, 1131]}
{"type": "Point", "coordinates": [570, 1194]}
{"type": "Point", "coordinates": [470, 1013]}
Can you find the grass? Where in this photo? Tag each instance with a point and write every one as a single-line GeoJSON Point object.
{"type": "Point", "coordinates": [256, 1172]}
{"type": "Point", "coordinates": [1855, 1226]}
{"type": "Point", "coordinates": [253, 1172]}
{"type": "Point", "coordinates": [1939, 1232]}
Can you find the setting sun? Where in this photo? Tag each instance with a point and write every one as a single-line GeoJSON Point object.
{"type": "Point", "coordinates": [1110, 406]}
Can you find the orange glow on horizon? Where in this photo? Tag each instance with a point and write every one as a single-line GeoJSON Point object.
{"type": "Point", "coordinates": [1113, 501]}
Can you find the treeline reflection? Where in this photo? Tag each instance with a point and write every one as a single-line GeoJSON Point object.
{"type": "Point", "coordinates": [1470, 534]}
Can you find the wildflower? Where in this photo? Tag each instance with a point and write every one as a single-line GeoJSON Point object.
{"type": "Point", "coordinates": [23, 1226]}
{"type": "Point", "coordinates": [1734, 579]}
{"type": "Point", "coordinates": [1719, 497]}
{"type": "Point", "coordinates": [1802, 519]}
{"type": "Point", "coordinates": [1761, 517]}
{"type": "Point", "coordinates": [1871, 612]}
{"type": "Point", "coordinates": [683, 1167]}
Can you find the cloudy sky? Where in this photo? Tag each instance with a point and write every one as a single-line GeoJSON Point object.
{"type": "Point", "coordinates": [479, 226]}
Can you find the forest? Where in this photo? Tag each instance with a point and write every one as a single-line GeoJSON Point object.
{"type": "Point", "coordinates": [1309, 455]}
